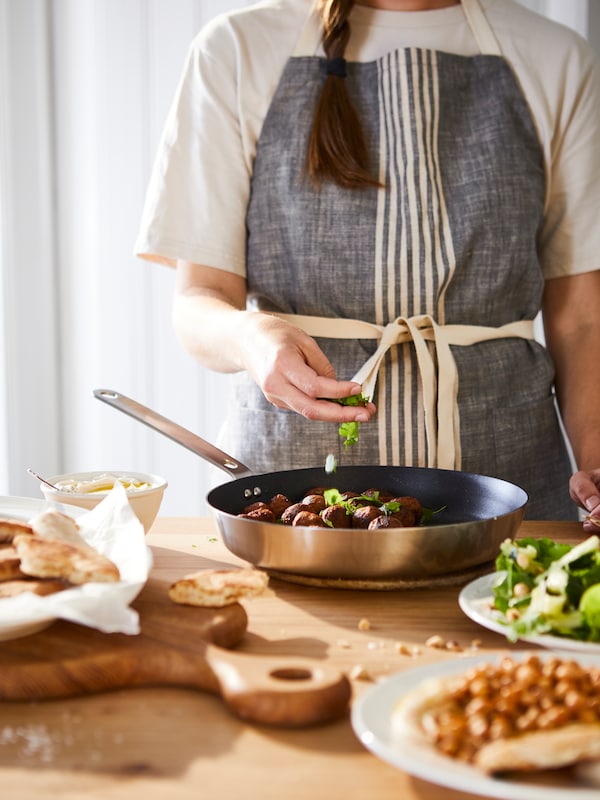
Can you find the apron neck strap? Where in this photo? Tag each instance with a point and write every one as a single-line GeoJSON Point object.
{"type": "Point", "coordinates": [309, 41]}
{"type": "Point", "coordinates": [481, 28]}
{"type": "Point", "coordinates": [310, 38]}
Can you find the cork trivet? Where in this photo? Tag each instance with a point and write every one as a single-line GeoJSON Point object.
{"type": "Point", "coordinates": [387, 584]}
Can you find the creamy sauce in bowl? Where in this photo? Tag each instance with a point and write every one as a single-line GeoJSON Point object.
{"type": "Point", "coordinates": [103, 484]}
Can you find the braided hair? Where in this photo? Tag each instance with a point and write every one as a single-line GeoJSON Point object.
{"type": "Point", "coordinates": [337, 149]}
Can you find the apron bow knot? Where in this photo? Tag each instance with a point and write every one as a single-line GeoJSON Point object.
{"type": "Point", "coordinates": [439, 380]}
{"type": "Point", "coordinates": [439, 384]}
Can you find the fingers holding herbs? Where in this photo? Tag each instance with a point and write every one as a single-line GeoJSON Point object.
{"type": "Point", "coordinates": [293, 372]}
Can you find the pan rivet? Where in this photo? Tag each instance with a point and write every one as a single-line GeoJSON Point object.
{"type": "Point", "coordinates": [257, 491]}
{"type": "Point", "coordinates": [247, 493]}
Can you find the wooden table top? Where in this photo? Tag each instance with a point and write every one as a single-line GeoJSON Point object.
{"type": "Point", "coordinates": [169, 743]}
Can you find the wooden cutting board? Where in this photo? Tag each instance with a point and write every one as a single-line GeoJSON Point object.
{"type": "Point", "coordinates": [180, 646]}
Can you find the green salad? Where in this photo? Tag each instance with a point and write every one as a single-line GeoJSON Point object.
{"type": "Point", "coordinates": [544, 587]}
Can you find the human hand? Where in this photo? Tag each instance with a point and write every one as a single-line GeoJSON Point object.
{"type": "Point", "coordinates": [584, 488]}
{"type": "Point", "coordinates": [294, 373]}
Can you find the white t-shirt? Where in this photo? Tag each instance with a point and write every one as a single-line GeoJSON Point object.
{"type": "Point", "coordinates": [196, 201]}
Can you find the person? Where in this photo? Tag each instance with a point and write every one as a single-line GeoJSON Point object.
{"type": "Point", "coordinates": [381, 197]}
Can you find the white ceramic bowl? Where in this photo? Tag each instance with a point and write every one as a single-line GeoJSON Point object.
{"type": "Point", "coordinates": [145, 500]}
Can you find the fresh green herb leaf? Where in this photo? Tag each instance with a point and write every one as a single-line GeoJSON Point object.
{"type": "Point", "coordinates": [352, 400]}
{"type": "Point", "coordinates": [349, 430]}
{"type": "Point", "coordinates": [429, 513]}
{"type": "Point", "coordinates": [349, 433]}
{"type": "Point", "coordinates": [332, 497]}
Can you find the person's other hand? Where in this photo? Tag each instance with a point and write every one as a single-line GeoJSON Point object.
{"type": "Point", "coordinates": [294, 373]}
{"type": "Point", "coordinates": [584, 488]}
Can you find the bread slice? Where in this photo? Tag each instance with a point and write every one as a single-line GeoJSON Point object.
{"type": "Point", "coordinates": [52, 524]}
{"type": "Point", "coordinates": [52, 558]}
{"type": "Point", "coordinates": [9, 528]}
{"type": "Point", "coordinates": [218, 587]}
{"type": "Point", "coordinates": [10, 563]}
{"type": "Point", "coordinates": [542, 749]}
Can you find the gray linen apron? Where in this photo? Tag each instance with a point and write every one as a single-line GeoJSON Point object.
{"type": "Point", "coordinates": [450, 239]}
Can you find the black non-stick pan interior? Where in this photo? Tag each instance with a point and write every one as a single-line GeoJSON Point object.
{"type": "Point", "coordinates": [462, 496]}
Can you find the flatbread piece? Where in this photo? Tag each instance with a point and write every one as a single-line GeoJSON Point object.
{"type": "Point", "coordinates": [9, 528]}
{"type": "Point", "coordinates": [52, 524]}
{"type": "Point", "coordinates": [218, 587]}
{"type": "Point", "coordinates": [52, 558]}
{"type": "Point", "coordinates": [10, 563]}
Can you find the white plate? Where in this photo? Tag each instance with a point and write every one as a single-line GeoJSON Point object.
{"type": "Point", "coordinates": [114, 530]}
{"type": "Point", "coordinates": [371, 718]}
{"type": "Point", "coordinates": [476, 599]}
{"type": "Point", "coordinates": [23, 509]}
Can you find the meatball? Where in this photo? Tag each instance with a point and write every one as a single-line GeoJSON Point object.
{"type": "Point", "coordinates": [349, 495]}
{"type": "Point", "coordinates": [290, 512]}
{"type": "Point", "coordinates": [379, 494]}
{"type": "Point", "coordinates": [315, 502]}
{"type": "Point", "coordinates": [263, 513]}
{"type": "Point", "coordinates": [308, 519]}
{"type": "Point", "coordinates": [405, 517]}
{"type": "Point", "coordinates": [384, 521]}
{"type": "Point", "coordinates": [363, 516]}
{"type": "Point", "coordinates": [278, 503]}
{"type": "Point", "coordinates": [336, 517]}
{"type": "Point", "coordinates": [412, 504]}
{"type": "Point", "coordinates": [254, 506]}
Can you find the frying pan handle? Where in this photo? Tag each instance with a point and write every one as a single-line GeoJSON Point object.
{"type": "Point", "coordinates": [173, 431]}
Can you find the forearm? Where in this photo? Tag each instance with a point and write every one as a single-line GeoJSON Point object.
{"type": "Point", "coordinates": [577, 394]}
{"type": "Point", "coordinates": [209, 315]}
{"type": "Point", "coordinates": [572, 328]}
{"type": "Point", "coordinates": [209, 329]}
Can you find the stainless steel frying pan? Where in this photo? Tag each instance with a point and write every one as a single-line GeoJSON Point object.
{"type": "Point", "coordinates": [480, 512]}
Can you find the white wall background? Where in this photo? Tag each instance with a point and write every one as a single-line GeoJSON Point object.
{"type": "Point", "coordinates": [84, 89]}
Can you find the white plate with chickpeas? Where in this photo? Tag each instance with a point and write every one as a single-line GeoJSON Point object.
{"type": "Point", "coordinates": [476, 599]}
{"type": "Point", "coordinates": [404, 721]}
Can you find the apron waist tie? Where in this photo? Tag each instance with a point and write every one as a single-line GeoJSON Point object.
{"type": "Point", "coordinates": [440, 386]}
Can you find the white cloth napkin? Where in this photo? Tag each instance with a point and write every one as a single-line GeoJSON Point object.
{"type": "Point", "coordinates": [113, 529]}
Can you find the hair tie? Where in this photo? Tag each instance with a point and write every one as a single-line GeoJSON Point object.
{"type": "Point", "coordinates": [336, 66]}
